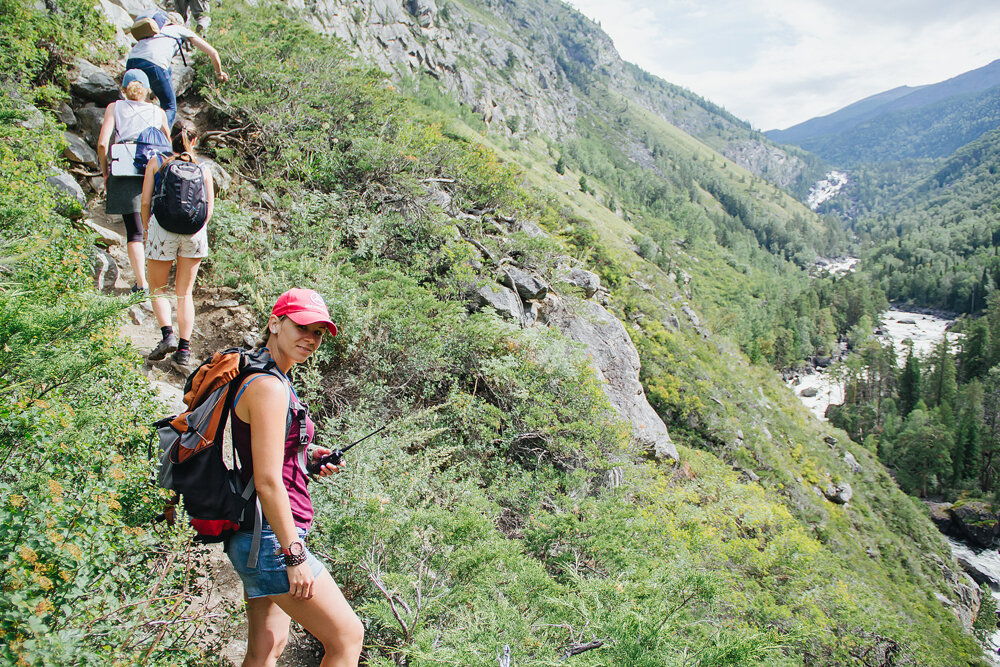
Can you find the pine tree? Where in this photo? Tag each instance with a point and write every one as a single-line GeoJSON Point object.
{"type": "Point", "coordinates": [966, 455]}
{"type": "Point", "coordinates": [942, 387]}
{"type": "Point", "coordinates": [922, 453]}
{"type": "Point", "coordinates": [561, 165]}
{"type": "Point", "coordinates": [909, 384]}
{"type": "Point", "coordinates": [975, 354]}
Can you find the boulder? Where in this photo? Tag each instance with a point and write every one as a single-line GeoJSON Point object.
{"type": "Point", "coordinates": [135, 7]}
{"type": "Point", "coordinates": [852, 463]}
{"type": "Point", "coordinates": [220, 177]}
{"type": "Point", "coordinates": [978, 574]}
{"type": "Point", "coordinates": [528, 286]}
{"type": "Point", "coordinates": [839, 494]}
{"type": "Point", "coordinates": [182, 77]}
{"type": "Point", "coordinates": [940, 514]}
{"type": "Point", "coordinates": [78, 151]}
{"type": "Point", "coordinates": [66, 116]}
{"type": "Point", "coordinates": [616, 363]}
{"type": "Point", "coordinates": [977, 523]}
{"type": "Point", "coordinates": [809, 392]}
{"type": "Point", "coordinates": [116, 14]}
{"type": "Point", "coordinates": [502, 300]}
{"type": "Point", "coordinates": [33, 118]}
{"type": "Point", "coordinates": [90, 82]}
{"type": "Point", "coordinates": [587, 281]}
{"type": "Point", "coordinates": [89, 119]}
{"type": "Point", "coordinates": [105, 271]}
{"type": "Point", "coordinates": [70, 192]}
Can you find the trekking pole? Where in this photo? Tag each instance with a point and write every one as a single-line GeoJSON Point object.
{"type": "Point", "coordinates": [336, 456]}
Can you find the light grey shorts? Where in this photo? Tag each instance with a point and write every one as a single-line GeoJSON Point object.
{"type": "Point", "coordinates": [167, 246]}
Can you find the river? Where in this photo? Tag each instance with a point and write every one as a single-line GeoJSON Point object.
{"type": "Point", "coordinates": [897, 326]}
{"type": "Point", "coordinates": [987, 562]}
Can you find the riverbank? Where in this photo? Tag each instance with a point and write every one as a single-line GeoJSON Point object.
{"type": "Point", "coordinates": [921, 328]}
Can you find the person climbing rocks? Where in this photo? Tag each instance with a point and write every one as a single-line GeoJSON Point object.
{"type": "Point", "coordinates": [164, 248]}
{"type": "Point", "coordinates": [124, 121]}
{"type": "Point", "coordinates": [154, 54]}
{"type": "Point", "coordinates": [198, 9]}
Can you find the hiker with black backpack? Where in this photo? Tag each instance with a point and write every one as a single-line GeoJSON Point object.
{"type": "Point", "coordinates": [287, 581]}
{"type": "Point", "coordinates": [161, 37]}
{"type": "Point", "coordinates": [180, 193]}
{"type": "Point", "coordinates": [125, 123]}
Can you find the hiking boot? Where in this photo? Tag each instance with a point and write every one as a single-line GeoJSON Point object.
{"type": "Point", "coordinates": [165, 346]}
{"type": "Point", "coordinates": [181, 361]}
{"type": "Point", "coordinates": [135, 288]}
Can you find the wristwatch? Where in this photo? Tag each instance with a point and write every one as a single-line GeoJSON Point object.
{"type": "Point", "coordinates": [294, 553]}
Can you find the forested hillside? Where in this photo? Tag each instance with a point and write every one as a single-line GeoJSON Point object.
{"type": "Point", "coordinates": [509, 504]}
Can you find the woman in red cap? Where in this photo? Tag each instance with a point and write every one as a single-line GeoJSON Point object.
{"type": "Point", "coordinates": [288, 581]}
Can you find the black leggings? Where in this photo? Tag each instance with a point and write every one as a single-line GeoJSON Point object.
{"type": "Point", "coordinates": [133, 227]}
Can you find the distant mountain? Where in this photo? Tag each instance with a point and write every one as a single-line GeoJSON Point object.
{"type": "Point", "coordinates": [907, 122]}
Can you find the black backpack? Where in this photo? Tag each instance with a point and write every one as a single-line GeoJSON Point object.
{"type": "Point", "coordinates": [192, 461]}
{"type": "Point", "coordinates": [180, 198]}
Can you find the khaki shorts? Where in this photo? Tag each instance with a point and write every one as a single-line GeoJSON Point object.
{"type": "Point", "coordinates": [167, 246]}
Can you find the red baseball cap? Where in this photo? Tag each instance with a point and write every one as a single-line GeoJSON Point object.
{"type": "Point", "coordinates": [304, 306]}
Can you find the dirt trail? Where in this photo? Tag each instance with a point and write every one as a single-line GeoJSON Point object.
{"type": "Point", "coordinates": [220, 322]}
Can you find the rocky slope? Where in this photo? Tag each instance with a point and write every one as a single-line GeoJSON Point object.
{"type": "Point", "coordinates": [533, 66]}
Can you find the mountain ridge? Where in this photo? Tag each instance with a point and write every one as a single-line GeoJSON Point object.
{"type": "Point", "coordinates": [924, 114]}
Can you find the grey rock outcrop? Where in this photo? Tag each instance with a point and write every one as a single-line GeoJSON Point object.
{"type": "Point", "coordinates": [135, 7]}
{"type": "Point", "coordinates": [67, 187]}
{"type": "Point", "coordinates": [839, 494]}
{"type": "Point", "coordinates": [78, 151]}
{"type": "Point", "coordinates": [616, 362]}
{"type": "Point", "coordinates": [89, 119]}
{"type": "Point", "coordinates": [977, 523]}
{"type": "Point", "coordinates": [220, 177]}
{"type": "Point", "coordinates": [92, 83]}
{"type": "Point", "coordinates": [182, 78]}
{"type": "Point", "coordinates": [105, 271]}
{"type": "Point", "coordinates": [941, 516]}
{"type": "Point", "coordinates": [528, 286]}
{"type": "Point", "coordinates": [587, 281]}
{"type": "Point", "coordinates": [852, 463]}
{"type": "Point", "coordinates": [966, 599]}
{"type": "Point", "coordinates": [504, 301]}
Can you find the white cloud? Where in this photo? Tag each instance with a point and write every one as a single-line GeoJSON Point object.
{"type": "Point", "coordinates": [780, 62]}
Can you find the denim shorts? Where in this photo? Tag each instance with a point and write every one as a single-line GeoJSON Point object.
{"type": "Point", "coordinates": [269, 577]}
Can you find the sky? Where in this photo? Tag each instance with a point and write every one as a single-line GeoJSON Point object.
{"type": "Point", "coordinates": [776, 63]}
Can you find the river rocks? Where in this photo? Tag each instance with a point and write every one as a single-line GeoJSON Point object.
{"type": "Point", "coordinates": [616, 362]}
{"type": "Point", "coordinates": [978, 574]}
{"type": "Point", "coordinates": [92, 83]}
{"type": "Point", "coordinates": [940, 514]}
{"type": "Point", "coordinates": [977, 523]}
{"type": "Point", "coordinates": [78, 151]}
{"type": "Point", "coordinates": [809, 392]}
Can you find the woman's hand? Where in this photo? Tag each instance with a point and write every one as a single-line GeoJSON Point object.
{"type": "Point", "coordinates": [300, 581]}
{"type": "Point", "coordinates": [328, 469]}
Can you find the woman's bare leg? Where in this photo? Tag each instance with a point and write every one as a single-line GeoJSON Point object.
{"type": "Point", "coordinates": [330, 619]}
{"type": "Point", "coordinates": [187, 272]}
{"type": "Point", "coordinates": [158, 273]}
{"type": "Point", "coordinates": [267, 635]}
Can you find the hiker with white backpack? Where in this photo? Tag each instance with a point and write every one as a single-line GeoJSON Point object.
{"type": "Point", "coordinates": [178, 199]}
{"type": "Point", "coordinates": [124, 122]}
{"type": "Point", "coordinates": [161, 37]}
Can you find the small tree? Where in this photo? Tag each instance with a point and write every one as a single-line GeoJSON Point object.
{"type": "Point", "coordinates": [561, 165]}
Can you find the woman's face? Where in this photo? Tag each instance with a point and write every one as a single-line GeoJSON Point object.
{"type": "Point", "coordinates": [296, 341]}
